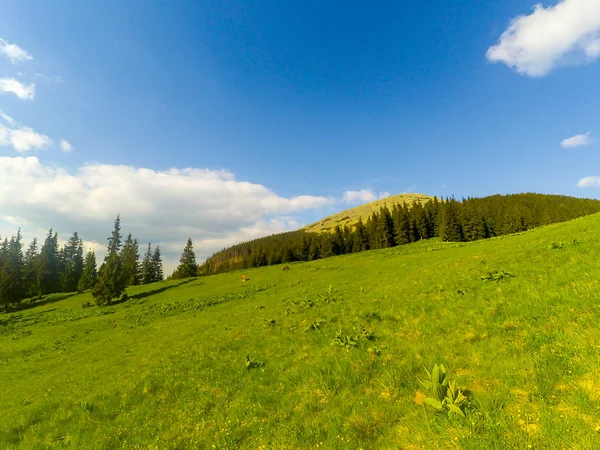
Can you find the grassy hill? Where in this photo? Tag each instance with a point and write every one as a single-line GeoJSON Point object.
{"type": "Point", "coordinates": [351, 216]}
{"type": "Point", "coordinates": [325, 355]}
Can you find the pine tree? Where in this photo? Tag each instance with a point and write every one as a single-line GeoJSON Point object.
{"type": "Point", "coordinates": [30, 268]}
{"type": "Point", "coordinates": [89, 277]}
{"type": "Point", "coordinates": [400, 217]}
{"type": "Point", "coordinates": [187, 264]}
{"type": "Point", "coordinates": [157, 267]}
{"type": "Point", "coordinates": [130, 258]}
{"type": "Point", "coordinates": [385, 229]}
{"type": "Point", "coordinates": [11, 272]}
{"type": "Point", "coordinates": [71, 263]}
{"type": "Point", "coordinates": [361, 239]}
{"type": "Point", "coordinates": [48, 267]}
{"type": "Point", "coordinates": [111, 282]}
{"type": "Point", "coordinates": [148, 274]}
{"type": "Point", "coordinates": [451, 229]}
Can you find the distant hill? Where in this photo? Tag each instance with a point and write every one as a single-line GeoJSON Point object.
{"type": "Point", "coordinates": [351, 216]}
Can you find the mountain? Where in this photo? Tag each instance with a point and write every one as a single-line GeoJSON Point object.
{"type": "Point", "coordinates": [351, 216]}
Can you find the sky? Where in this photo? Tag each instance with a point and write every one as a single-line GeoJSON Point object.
{"type": "Point", "coordinates": [227, 121]}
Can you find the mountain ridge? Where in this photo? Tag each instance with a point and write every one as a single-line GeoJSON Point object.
{"type": "Point", "coordinates": [351, 215]}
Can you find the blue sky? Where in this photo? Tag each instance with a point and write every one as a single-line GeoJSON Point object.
{"type": "Point", "coordinates": [290, 103]}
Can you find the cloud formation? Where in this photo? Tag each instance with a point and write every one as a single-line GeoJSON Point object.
{"type": "Point", "coordinates": [65, 146]}
{"type": "Point", "coordinates": [12, 86]}
{"type": "Point", "coordinates": [14, 52]}
{"type": "Point", "coordinates": [362, 196]}
{"type": "Point", "coordinates": [164, 207]}
{"type": "Point", "coordinates": [22, 139]}
{"type": "Point", "coordinates": [565, 34]}
{"type": "Point", "coordinates": [587, 182]}
{"type": "Point", "coordinates": [578, 140]}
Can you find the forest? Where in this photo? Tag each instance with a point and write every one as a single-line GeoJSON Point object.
{"type": "Point", "coordinates": [34, 274]}
{"type": "Point", "coordinates": [449, 219]}
{"type": "Point", "coordinates": [52, 270]}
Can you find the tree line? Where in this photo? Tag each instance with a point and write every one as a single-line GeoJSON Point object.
{"type": "Point", "coordinates": [52, 269]}
{"type": "Point", "coordinates": [449, 219]}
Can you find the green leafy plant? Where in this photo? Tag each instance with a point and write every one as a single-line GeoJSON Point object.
{"type": "Point", "coordinates": [497, 275]}
{"type": "Point", "coordinates": [443, 393]}
{"type": "Point", "coordinates": [316, 325]}
{"type": "Point", "coordinates": [343, 340]}
{"type": "Point", "coordinates": [252, 363]}
{"type": "Point", "coordinates": [365, 333]}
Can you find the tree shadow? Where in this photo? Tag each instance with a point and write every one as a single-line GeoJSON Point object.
{"type": "Point", "coordinates": [33, 303]}
{"type": "Point", "coordinates": [142, 295]}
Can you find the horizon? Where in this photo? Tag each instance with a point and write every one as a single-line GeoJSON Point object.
{"type": "Point", "coordinates": [225, 123]}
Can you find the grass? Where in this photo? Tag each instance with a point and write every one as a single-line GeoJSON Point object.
{"type": "Point", "coordinates": [323, 356]}
{"type": "Point", "coordinates": [350, 216]}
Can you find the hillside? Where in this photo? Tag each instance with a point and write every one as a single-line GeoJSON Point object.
{"type": "Point", "coordinates": [351, 216]}
{"type": "Point", "coordinates": [325, 355]}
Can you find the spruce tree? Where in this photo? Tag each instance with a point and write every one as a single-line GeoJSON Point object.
{"type": "Point", "coordinates": [187, 264]}
{"type": "Point", "coordinates": [385, 229]}
{"type": "Point", "coordinates": [157, 267]}
{"type": "Point", "coordinates": [48, 267]}
{"type": "Point", "coordinates": [111, 282]}
{"type": "Point", "coordinates": [130, 258]}
{"type": "Point", "coordinates": [360, 240]}
{"type": "Point", "coordinates": [451, 229]}
{"type": "Point", "coordinates": [30, 267]}
{"type": "Point", "coordinates": [89, 277]}
{"type": "Point", "coordinates": [71, 264]}
{"type": "Point", "coordinates": [148, 275]}
{"type": "Point", "coordinates": [11, 272]}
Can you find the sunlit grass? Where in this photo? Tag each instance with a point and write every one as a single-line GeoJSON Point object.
{"type": "Point", "coordinates": [168, 368]}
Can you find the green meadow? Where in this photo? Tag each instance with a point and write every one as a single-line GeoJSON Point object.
{"type": "Point", "coordinates": [325, 355]}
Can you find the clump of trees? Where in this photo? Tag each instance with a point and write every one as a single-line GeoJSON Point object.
{"type": "Point", "coordinates": [449, 219]}
{"type": "Point", "coordinates": [52, 269]}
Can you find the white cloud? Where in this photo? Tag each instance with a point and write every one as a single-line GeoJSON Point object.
{"type": "Point", "coordinates": [589, 182]}
{"type": "Point", "coordinates": [23, 139]}
{"type": "Point", "coordinates": [14, 52]}
{"type": "Point", "coordinates": [7, 119]}
{"type": "Point", "coordinates": [565, 34]}
{"type": "Point", "coordinates": [578, 140]}
{"type": "Point", "coordinates": [164, 207]}
{"type": "Point", "coordinates": [362, 196]}
{"type": "Point", "coordinates": [65, 146]}
{"type": "Point", "coordinates": [12, 86]}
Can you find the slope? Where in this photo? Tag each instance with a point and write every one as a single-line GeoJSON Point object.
{"type": "Point", "coordinates": [351, 216]}
{"type": "Point", "coordinates": [272, 363]}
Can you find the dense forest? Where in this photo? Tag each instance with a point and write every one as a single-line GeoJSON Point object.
{"type": "Point", "coordinates": [51, 270]}
{"type": "Point", "coordinates": [451, 220]}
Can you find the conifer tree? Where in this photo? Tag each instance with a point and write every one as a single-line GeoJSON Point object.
{"type": "Point", "coordinates": [48, 268]}
{"type": "Point", "coordinates": [11, 272]}
{"type": "Point", "coordinates": [187, 264]}
{"type": "Point", "coordinates": [451, 229]}
{"type": "Point", "coordinates": [385, 229]}
{"type": "Point", "coordinates": [361, 239]}
{"type": "Point", "coordinates": [71, 264]}
{"type": "Point", "coordinates": [89, 276]}
{"type": "Point", "coordinates": [401, 224]}
{"type": "Point", "coordinates": [130, 259]}
{"type": "Point", "coordinates": [157, 267]}
{"type": "Point", "coordinates": [148, 275]}
{"type": "Point", "coordinates": [111, 282]}
{"type": "Point", "coordinates": [30, 267]}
